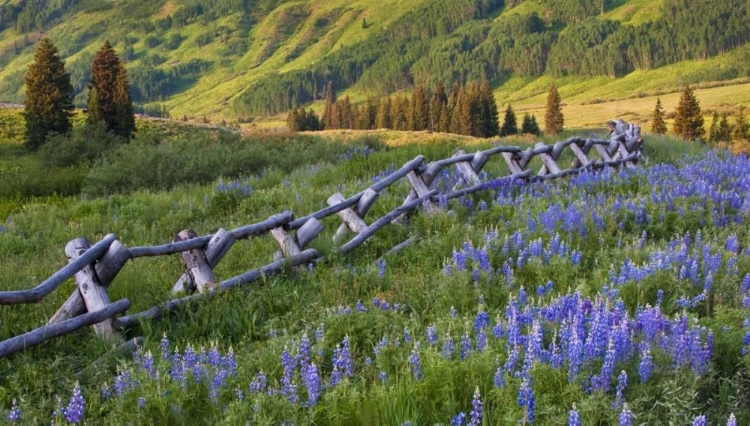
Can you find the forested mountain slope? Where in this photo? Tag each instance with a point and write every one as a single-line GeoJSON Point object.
{"type": "Point", "coordinates": [248, 58]}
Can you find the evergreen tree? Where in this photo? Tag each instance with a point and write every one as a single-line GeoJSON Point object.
{"type": "Point", "coordinates": [49, 95]}
{"type": "Point", "coordinates": [104, 68]}
{"type": "Point", "coordinates": [658, 125]}
{"type": "Point", "coordinates": [124, 116]}
{"type": "Point", "coordinates": [444, 124]}
{"type": "Point", "coordinates": [346, 118]}
{"type": "Point", "coordinates": [94, 111]}
{"type": "Point", "coordinates": [529, 125]}
{"type": "Point", "coordinates": [293, 120]}
{"type": "Point", "coordinates": [418, 118]}
{"type": "Point", "coordinates": [688, 120]}
{"type": "Point", "coordinates": [313, 123]}
{"type": "Point", "coordinates": [553, 117]}
{"type": "Point", "coordinates": [488, 114]}
{"type": "Point", "coordinates": [713, 135]}
{"type": "Point", "coordinates": [383, 119]}
{"type": "Point", "coordinates": [372, 112]}
{"type": "Point", "coordinates": [724, 129]}
{"type": "Point", "coordinates": [510, 124]}
{"type": "Point", "coordinates": [740, 132]}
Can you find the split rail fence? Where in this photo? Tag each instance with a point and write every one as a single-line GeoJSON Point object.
{"type": "Point", "coordinates": [95, 267]}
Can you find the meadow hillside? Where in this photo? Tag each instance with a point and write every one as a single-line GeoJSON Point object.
{"type": "Point", "coordinates": [253, 60]}
{"type": "Point", "coordinates": [618, 297]}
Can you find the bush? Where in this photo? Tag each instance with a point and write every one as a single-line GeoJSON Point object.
{"type": "Point", "coordinates": [82, 147]}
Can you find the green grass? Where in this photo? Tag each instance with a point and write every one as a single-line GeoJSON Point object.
{"type": "Point", "coordinates": [290, 304]}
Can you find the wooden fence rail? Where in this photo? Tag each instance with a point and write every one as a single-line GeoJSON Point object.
{"type": "Point", "coordinates": [95, 267]}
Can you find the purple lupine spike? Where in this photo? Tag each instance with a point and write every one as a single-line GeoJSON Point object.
{"type": "Point", "coordinates": [74, 412]}
{"type": "Point", "coordinates": [432, 335]}
{"type": "Point", "coordinates": [626, 416]}
{"type": "Point", "coordinates": [700, 421]}
{"type": "Point", "coordinates": [732, 421]}
{"type": "Point", "coordinates": [574, 419]}
{"type": "Point", "coordinates": [416, 365]}
{"type": "Point", "coordinates": [475, 416]}
{"type": "Point", "coordinates": [15, 413]}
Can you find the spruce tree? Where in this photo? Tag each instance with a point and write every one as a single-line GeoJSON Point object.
{"type": "Point", "coordinates": [313, 123]}
{"type": "Point", "coordinates": [724, 129]}
{"type": "Point", "coordinates": [553, 117]}
{"type": "Point", "coordinates": [346, 118]}
{"type": "Point", "coordinates": [489, 117]}
{"type": "Point", "coordinates": [293, 120]}
{"type": "Point", "coordinates": [688, 120]}
{"type": "Point", "coordinates": [444, 123]}
{"type": "Point", "coordinates": [104, 68]}
{"type": "Point", "coordinates": [740, 132]}
{"type": "Point", "coordinates": [94, 111]}
{"type": "Point", "coordinates": [124, 117]}
{"type": "Point", "coordinates": [510, 125]}
{"type": "Point", "coordinates": [529, 125]}
{"type": "Point", "coordinates": [418, 118]}
{"type": "Point", "coordinates": [713, 130]}
{"type": "Point", "coordinates": [383, 118]}
{"type": "Point", "coordinates": [658, 125]}
{"type": "Point", "coordinates": [49, 96]}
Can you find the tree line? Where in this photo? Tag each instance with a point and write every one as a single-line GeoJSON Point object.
{"type": "Point", "coordinates": [437, 44]}
{"type": "Point", "coordinates": [49, 95]}
{"type": "Point", "coordinates": [689, 122]}
{"type": "Point", "coordinates": [467, 110]}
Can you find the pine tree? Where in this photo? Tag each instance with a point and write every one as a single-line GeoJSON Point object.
{"type": "Point", "coordinates": [510, 124]}
{"type": "Point", "coordinates": [658, 125]}
{"type": "Point", "coordinates": [124, 117]}
{"type": "Point", "coordinates": [740, 132]}
{"type": "Point", "coordinates": [553, 117]}
{"type": "Point", "coordinates": [688, 120]}
{"type": "Point", "coordinates": [724, 129]}
{"type": "Point", "coordinates": [383, 119]}
{"type": "Point", "coordinates": [49, 96]}
{"type": "Point", "coordinates": [104, 68]}
{"type": "Point", "coordinates": [94, 111]}
{"type": "Point", "coordinates": [529, 125]}
{"type": "Point", "coordinates": [372, 112]}
{"type": "Point", "coordinates": [713, 135]}
{"type": "Point", "coordinates": [293, 120]}
{"type": "Point", "coordinates": [346, 118]}
{"type": "Point", "coordinates": [488, 115]}
{"type": "Point", "coordinates": [418, 117]}
{"type": "Point", "coordinates": [444, 124]}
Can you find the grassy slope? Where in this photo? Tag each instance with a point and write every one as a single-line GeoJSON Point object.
{"type": "Point", "coordinates": [289, 39]}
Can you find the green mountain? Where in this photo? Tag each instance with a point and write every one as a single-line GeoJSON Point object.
{"type": "Point", "coordinates": [259, 58]}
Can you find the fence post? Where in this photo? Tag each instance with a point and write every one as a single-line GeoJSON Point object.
{"type": "Point", "coordinates": [350, 218]}
{"type": "Point", "coordinates": [466, 170]}
{"type": "Point", "coordinates": [94, 295]}
{"type": "Point", "coordinates": [196, 263]}
{"type": "Point", "coordinates": [216, 249]}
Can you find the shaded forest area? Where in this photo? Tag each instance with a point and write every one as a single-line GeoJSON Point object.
{"type": "Point", "coordinates": [457, 41]}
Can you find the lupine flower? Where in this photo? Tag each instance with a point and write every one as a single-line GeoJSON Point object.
{"type": "Point", "coordinates": [465, 347]}
{"type": "Point", "coordinates": [15, 412]}
{"type": "Point", "coordinates": [382, 376]}
{"type": "Point", "coordinates": [526, 400]}
{"type": "Point", "coordinates": [622, 383]}
{"type": "Point", "coordinates": [448, 347]}
{"type": "Point", "coordinates": [574, 419]}
{"type": "Point", "coordinates": [164, 347]}
{"type": "Point", "coordinates": [626, 416]}
{"type": "Point", "coordinates": [475, 416]}
{"type": "Point", "coordinates": [432, 335]}
{"type": "Point", "coordinates": [141, 402]}
{"type": "Point", "coordinates": [732, 421]}
{"type": "Point", "coordinates": [646, 366]}
{"type": "Point", "coordinates": [105, 392]}
{"type": "Point", "coordinates": [499, 379]}
{"type": "Point", "coordinates": [459, 419]}
{"type": "Point", "coordinates": [311, 379]}
{"type": "Point", "coordinates": [74, 412]}
{"type": "Point", "coordinates": [416, 365]}
{"type": "Point", "coordinates": [453, 312]}
{"type": "Point", "coordinates": [381, 268]}
{"type": "Point", "coordinates": [699, 421]}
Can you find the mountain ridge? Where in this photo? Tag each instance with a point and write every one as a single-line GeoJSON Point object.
{"type": "Point", "coordinates": [240, 58]}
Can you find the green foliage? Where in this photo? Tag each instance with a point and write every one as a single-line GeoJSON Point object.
{"type": "Point", "coordinates": [688, 120]}
{"type": "Point", "coordinates": [553, 116]}
{"type": "Point", "coordinates": [81, 148]}
{"type": "Point", "coordinates": [110, 88]}
{"type": "Point", "coordinates": [658, 125]}
{"type": "Point", "coordinates": [49, 96]}
{"type": "Point", "coordinates": [530, 126]}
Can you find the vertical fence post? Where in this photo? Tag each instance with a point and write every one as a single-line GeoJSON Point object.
{"type": "Point", "coordinates": [196, 263]}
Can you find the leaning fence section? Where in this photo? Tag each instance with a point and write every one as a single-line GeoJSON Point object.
{"type": "Point", "coordinates": [94, 267]}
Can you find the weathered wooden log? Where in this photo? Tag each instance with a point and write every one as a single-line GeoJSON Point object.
{"type": "Point", "coordinates": [348, 215]}
{"type": "Point", "coordinates": [481, 186]}
{"type": "Point", "coordinates": [287, 243]}
{"type": "Point", "coordinates": [171, 248]}
{"type": "Point", "coordinates": [383, 221]}
{"type": "Point", "coordinates": [308, 232]}
{"type": "Point", "coordinates": [158, 311]}
{"type": "Point", "coordinates": [550, 165]}
{"type": "Point", "coordinates": [421, 188]}
{"type": "Point", "coordinates": [411, 240]}
{"type": "Point", "coordinates": [94, 295]}
{"type": "Point", "coordinates": [50, 331]}
{"type": "Point", "coordinates": [216, 249]}
{"type": "Point", "coordinates": [467, 173]}
{"type": "Point", "coordinates": [196, 263]}
{"type": "Point", "coordinates": [363, 206]}
{"type": "Point", "coordinates": [429, 173]}
{"type": "Point", "coordinates": [386, 182]}
{"type": "Point", "coordinates": [479, 160]}
{"type": "Point", "coordinates": [602, 151]}
{"type": "Point", "coordinates": [512, 163]}
{"type": "Point", "coordinates": [582, 158]}
{"type": "Point", "coordinates": [109, 360]}
{"type": "Point", "coordinates": [37, 293]}
{"type": "Point", "coordinates": [107, 269]}
{"type": "Point", "coordinates": [260, 228]}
